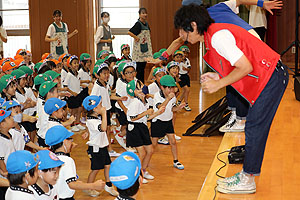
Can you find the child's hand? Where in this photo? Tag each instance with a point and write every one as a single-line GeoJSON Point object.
{"type": "Point", "coordinates": [161, 109]}
{"type": "Point", "coordinates": [72, 119]}
{"type": "Point", "coordinates": [124, 98]}
{"type": "Point", "coordinates": [150, 111]}
{"type": "Point", "coordinates": [171, 95]}
{"type": "Point", "coordinates": [98, 185]}
{"type": "Point", "coordinates": [149, 96]}
{"type": "Point", "coordinates": [85, 135]}
{"type": "Point", "coordinates": [32, 119]}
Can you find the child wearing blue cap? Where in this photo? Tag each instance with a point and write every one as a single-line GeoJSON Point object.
{"type": "Point", "coordinates": [124, 173]}
{"type": "Point", "coordinates": [48, 172]}
{"type": "Point", "coordinates": [98, 142]}
{"type": "Point", "coordinates": [137, 132]}
{"type": "Point", "coordinates": [18, 133]}
{"type": "Point", "coordinates": [60, 142]}
{"type": "Point", "coordinates": [22, 172]}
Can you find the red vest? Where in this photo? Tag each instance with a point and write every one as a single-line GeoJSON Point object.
{"type": "Point", "coordinates": [261, 56]}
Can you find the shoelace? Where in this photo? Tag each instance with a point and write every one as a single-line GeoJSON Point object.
{"type": "Point", "coordinates": [233, 183]}
{"type": "Point", "coordinates": [231, 124]}
{"type": "Point", "coordinates": [233, 177]}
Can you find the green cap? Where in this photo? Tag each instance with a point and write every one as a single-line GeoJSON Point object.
{"type": "Point", "coordinates": [46, 87]}
{"type": "Point", "coordinates": [19, 73]}
{"type": "Point", "coordinates": [157, 70]}
{"type": "Point", "coordinates": [97, 64]}
{"type": "Point", "coordinates": [167, 80]}
{"type": "Point", "coordinates": [156, 55]}
{"type": "Point", "coordinates": [124, 46]}
{"type": "Point", "coordinates": [41, 78]}
{"type": "Point", "coordinates": [171, 64]}
{"type": "Point", "coordinates": [162, 50]}
{"type": "Point", "coordinates": [37, 66]}
{"type": "Point", "coordinates": [184, 48]}
{"type": "Point", "coordinates": [130, 88]}
{"type": "Point", "coordinates": [52, 74]}
{"type": "Point", "coordinates": [85, 56]}
{"type": "Point", "coordinates": [5, 80]}
{"type": "Point", "coordinates": [27, 70]}
{"type": "Point", "coordinates": [178, 52]}
{"type": "Point", "coordinates": [101, 53]}
{"type": "Point", "coordinates": [124, 65]}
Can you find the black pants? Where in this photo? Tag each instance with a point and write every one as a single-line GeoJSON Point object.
{"type": "Point", "coordinates": [261, 31]}
{"type": "Point", "coordinates": [140, 69]}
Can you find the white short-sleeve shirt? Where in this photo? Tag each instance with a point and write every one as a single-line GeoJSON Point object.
{"type": "Point", "coordinates": [42, 122]}
{"type": "Point", "coordinates": [20, 137]}
{"type": "Point", "coordinates": [63, 75]}
{"type": "Point", "coordinates": [159, 98]}
{"type": "Point", "coordinates": [67, 175]}
{"type": "Point", "coordinates": [6, 147]}
{"type": "Point", "coordinates": [19, 193]}
{"type": "Point", "coordinates": [153, 88]}
{"type": "Point", "coordinates": [135, 108]}
{"type": "Point", "coordinates": [103, 91]}
{"type": "Point", "coordinates": [186, 63]}
{"type": "Point", "coordinates": [51, 29]}
{"type": "Point", "coordinates": [98, 138]}
{"type": "Point", "coordinates": [72, 82]}
{"type": "Point", "coordinates": [84, 75]}
{"type": "Point", "coordinates": [121, 91]}
{"type": "Point", "coordinates": [29, 94]}
{"type": "Point", "coordinates": [39, 194]}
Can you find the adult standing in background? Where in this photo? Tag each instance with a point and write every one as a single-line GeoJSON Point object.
{"type": "Point", "coordinates": [258, 20]}
{"type": "Point", "coordinates": [3, 37]}
{"type": "Point", "coordinates": [103, 37]}
{"type": "Point", "coordinates": [57, 35]}
{"type": "Point", "coordinates": [142, 47]}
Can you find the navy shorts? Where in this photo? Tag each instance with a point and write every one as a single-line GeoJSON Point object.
{"type": "Point", "coordinates": [98, 159]}
{"type": "Point", "coordinates": [137, 135]}
{"type": "Point", "coordinates": [161, 128]}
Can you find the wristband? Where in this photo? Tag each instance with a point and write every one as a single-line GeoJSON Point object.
{"type": "Point", "coordinates": [165, 55]}
{"type": "Point", "coordinates": [162, 58]}
{"type": "Point", "coordinates": [260, 3]}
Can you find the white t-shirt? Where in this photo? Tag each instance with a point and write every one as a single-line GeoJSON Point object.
{"type": "Point", "coordinates": [42, 122]}
{"type": "Point", "coordinates": [29, 94]}
{"type": "Point", "coordinates": [224, 43]}
{"type": "Point", "coordinates": [168, 114]}
{"type": "Point", "coordinates": [103, 91]}
{"type": "Point", "coordinates": [98, 138]}
{"type": "Point", "coordinates": [63, 75]}
{"type": "Point", "coordinates": [19, 193]}
{"type": "Point", "coordinates": [232, 5]}
{"type": "Point", "coordinates": [152, 88]}
{"type": "Point", "coordinates": [39, 194]}
{"type": "Point", "coordinates": [53, 122]}
{"type": "Point", "coordinates": [135, 108]}
{"type": "Point", "coordinates": [99, 33]}
{"type": "Point", "coordinates": [257, 17]}
{"type": "Point", "coordinates": [72, 82]}
{"type": "Point", "coordinates": [51, 29]}
{"type": "Point", "coordinates": [67, 175]}
{"type": "Point", "coordinates": [121, 91]}
{"type": "Point", "coordinates": [110, 80]}
{"type": "Point", "coordinates": [20, 137]}
{"type": "Point", "coordinates": [22, 98]}
{"type": "Point", "coordinates": [4, 34]}
{"type": "Point", "coordinates": [6, 147]}
{"type": "Point", "coordinates": [185, 64]}
{"type": "Point", "coordinates": [85, 76]}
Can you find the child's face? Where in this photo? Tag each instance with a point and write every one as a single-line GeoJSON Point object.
{"type": "Point", "coordinates": [112, 64]}
{"type": "Point", "coordinates": [58, 81]}
{"type": "Point", "coordinates": [59, 114]}
{"type": "Point", "coordinates": [15, 110]}
{"type": "Point", "coordinates": [104, 75]}
{"type": "Point", "coordinates": [53, 94]}
{"type": "Point", "coordinates": [103, 56]}
{"type": "Point", "coordinates": [159, 75]}
{"type": "Point", "coordinates": [8, 122]}
{"type": "Point", "coordinates": [129, 73]}
{"type": "Point", "coordinates": [58, 68]}
{"type": "Point", "coordinates": [23, 82]}
{"type": "Point", "coordinates": [88, 64]}
{"type": "Point", "coordinates": [126, 51]}
{"type": "Point", "coordinates": [26, 58]}
{"type": "Point", "coordinates": [51, 176]}
{"type": "Point", "coordinates": [65, 61]}
{"type": "Point", "coordinates": [178, 58]}
{"type": "Point", "coordinates": [186, 54]}
{"type": "Point", "coordinates": [167, 90]}
{"type": "Point", "coordinates": [75, 64]}
{"type": "Point", "coordinates": [173, 71]}
{"type": "Point", "coordinates": [10, 89]}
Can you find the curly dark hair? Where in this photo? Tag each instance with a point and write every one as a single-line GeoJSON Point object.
{"type": "Point", "coordinates": [192, 13]}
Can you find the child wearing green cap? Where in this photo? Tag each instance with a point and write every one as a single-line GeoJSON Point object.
{"type": "Point", "coordinates": [137, 135]}
{"type": "Point", "coordinates": [154, 87]}
{"type": "Point", "coordinates": [8, 87]}
{"type": "Point", "coordinates": [125, 52]}
{"type": "Point", "coordinates": [163, 124]}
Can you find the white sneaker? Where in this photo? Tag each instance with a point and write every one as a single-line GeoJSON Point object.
{"type": "Point", "coordinates": [80, 127]}
{"type": "Point", "coordinates": [92, 193]}
{"type": "Point", "coordinates": [177, 137]}
{"type": "Point", "coordinates": [111, 191]}
{"type": "Point", "coordinates": [244, 184]}
{"type": "Point", "coordinates": [232, 118]}
{"type": "Point", "coordinates": [236, 126]}
{"type": "Point", "coordinates": [113, 153]}
{"type": "Point", "coordinates": [120, 141]}
{"type": "Point", "coordinates": [75, 129]}
{"type": "Point", "coordinates": [148, 176]}
{"type": "Point", "coordinates": [178, 165]}
{"type": "Point", "coordinates": [187, 108]}
{"type": "Point", "coordinates": [144, 181]}
{"type": "Point", "coordinates": [164, 141]}
{"type": "Point", "coordinates": [130, 149]}
{"type": "Point", "coordinates": [83, 120]}
{"type": "Point", "coordinates": [68, 115]}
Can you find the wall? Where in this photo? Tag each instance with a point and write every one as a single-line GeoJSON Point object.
{"type": "Point", "coordinates": [76, 13]}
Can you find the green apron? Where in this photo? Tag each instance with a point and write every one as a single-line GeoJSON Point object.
{"type": "Point", "coordinates": [59, 46]}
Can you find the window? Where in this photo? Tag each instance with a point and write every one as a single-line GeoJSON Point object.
{"type": "Point", "coordinates": [123, 15]}
{"type": "Point", "coordinates": [15, 15]}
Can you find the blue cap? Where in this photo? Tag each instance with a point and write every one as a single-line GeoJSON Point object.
{"type": "Point", "coordinates": [1, 101]}
{"type": "Point", "coordinates": [20, 161]}
{"type": "Point", "coordinates": [48, 159]}
{"type": "Point", "coordinates": [4, 114]}
{"type": "Point", "coordinates": [91, 102]}
{"type": "Point", "coordinates": [56, 135]}
{"type": "Point", "coordinates": [9, 104]}
{"type": "Point", "coordinates": [125, 170]}
{"type": "Point", "coordinates": [53, 104]}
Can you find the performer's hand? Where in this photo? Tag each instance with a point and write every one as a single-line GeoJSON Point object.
{"type": "Point", "coordinates": [269, 5]}
{"type": "Point", "coordinates": [209, 76]}
{"type": "Point", "coordinates": [153, 61]}
{"type": "Point", "coordinates": [211, 86]}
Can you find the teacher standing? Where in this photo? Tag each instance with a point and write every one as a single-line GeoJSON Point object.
{"type": "Point", "coordinates": [142, 47]}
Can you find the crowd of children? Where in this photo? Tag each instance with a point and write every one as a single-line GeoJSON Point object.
{"type": "Point", "coordinates": [40, 102]}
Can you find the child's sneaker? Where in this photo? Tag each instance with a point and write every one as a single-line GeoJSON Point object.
{"type": "Point", "coordinates": [163, 140]}
{"type": "Point", "coordinates": [80, 127]}
{"type": "Point", "coordinates": [177, 137]}
{"type": "Point", "coordinates": [178, 165]}
{"type": "Point", "coordinates": [75, 129]}
{"type": "Point", "coordinates": [244, 184]}
{"type": "Point", "coordinates": [83, 120]}
{"type": "Point", "coordinates": [144, 181]}
{"type": "Point", "coordinates": [92, 193]}
{"type": "Point", "coordinates": [111, 191]}
{"type": "Point", "coordinates": [113, 153]}
{"type": "Point", "coordinates": [187, 108]}
{"type": "Point", "coordinates": [120, 141]}
{"type": "Point", "coordinates": [148, 176]}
